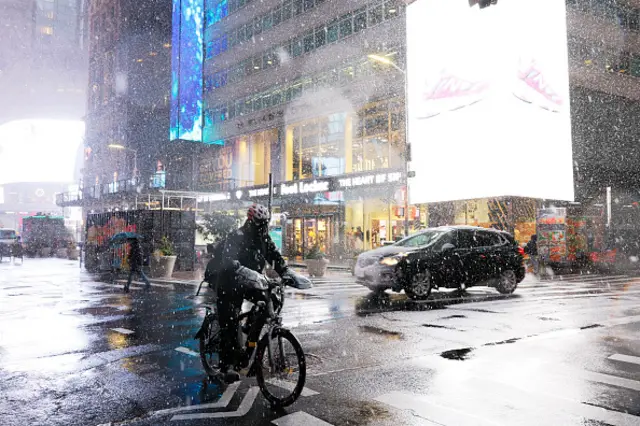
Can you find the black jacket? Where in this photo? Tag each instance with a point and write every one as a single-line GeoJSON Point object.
{"type": "Point", "coordinates": [252, 250]}
{"type": "Point", "coordinates": [135, 256]}
{"type": "Point", "coordinates": [532, 247]}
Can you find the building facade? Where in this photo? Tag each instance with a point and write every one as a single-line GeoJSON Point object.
{"type": "Point", "coordinates": [311, 94]}
{"type": "Point", "coordinates": [128, 101]}
{"type": "Point", "coordinates": [290, 91]}
{"type": "Point", "coordinates": [43, 59]}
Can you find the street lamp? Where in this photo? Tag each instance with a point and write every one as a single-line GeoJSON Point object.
{"type": "Point", "coordinates": [135, 156]}
{"type": "Point", "coordinates": [385, 60]}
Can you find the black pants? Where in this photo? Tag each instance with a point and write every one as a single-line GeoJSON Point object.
{"type": "Point", "coordinates": [229, 304]}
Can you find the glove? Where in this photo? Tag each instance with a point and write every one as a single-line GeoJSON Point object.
{"type": "Point", "coordinates": [250, 279]}
{"type": "Point", "coordinates": [293, 279]}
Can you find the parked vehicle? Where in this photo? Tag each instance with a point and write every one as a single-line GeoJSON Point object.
{"type": "Point", "coordinates": [447, 257]}
{"type": "Point", "coordinates": [7, 239]}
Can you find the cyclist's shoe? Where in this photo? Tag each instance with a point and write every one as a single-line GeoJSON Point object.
{"type": "Point", "coordinates": [231, 376]}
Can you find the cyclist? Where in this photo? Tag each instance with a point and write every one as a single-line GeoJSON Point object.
{"type": "Point", "coordinates": [245, 254]}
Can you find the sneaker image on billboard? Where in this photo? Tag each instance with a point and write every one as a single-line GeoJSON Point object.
{"type": "Point", "coordinates": [531, 87]}
{"type": "Point", "coordinates": [450, 93]}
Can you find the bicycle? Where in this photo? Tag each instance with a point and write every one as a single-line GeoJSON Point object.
{"type": "Point", "coordinates": [260, 333]}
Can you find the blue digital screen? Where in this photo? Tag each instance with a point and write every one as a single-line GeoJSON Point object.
{"type": "Point", "coordinates": [186, 70]}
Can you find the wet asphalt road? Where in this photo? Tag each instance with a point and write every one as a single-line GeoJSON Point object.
{"type": "Point", "coordinates": [74, 351]}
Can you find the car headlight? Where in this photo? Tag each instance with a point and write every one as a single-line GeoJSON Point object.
{"type": "Point", "coordinates": [391, 260]}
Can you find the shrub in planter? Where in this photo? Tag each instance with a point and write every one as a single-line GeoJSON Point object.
{"type": "Point", "coordinates": [163, 260]}
{"type": "Point", "coordinates": [316, 262]}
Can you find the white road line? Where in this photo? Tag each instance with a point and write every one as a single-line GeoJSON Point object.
{"type": "Point", "coordinates": [123, 331]}
{"type": "Point", "coordinates": [223, 402]}
{"type": "Point", "coordinates": [242, 410]}
{"type": "Point", "coordinates": [140, 283]}
{"type": "Point", "coordinates": [300, 418]}
{"type": "Point", "coordinates": [290, 386]}
{"type": "Point", "coordinates": [424, 407]}
{"type": "Point", "coordinates": [625, 358]}
{"type": "Point", "coordinates": [187, 351]}
{"type": "Point", "coordinates": [608, 379]}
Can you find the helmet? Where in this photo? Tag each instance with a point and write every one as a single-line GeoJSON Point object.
{"type": "Point", "coordinates": [258, 214]}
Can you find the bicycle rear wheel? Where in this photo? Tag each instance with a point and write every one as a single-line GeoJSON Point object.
{"type": "Point", "coordinates": [282, 381]}
{"type": "Point", "coordinates": [210, 346]}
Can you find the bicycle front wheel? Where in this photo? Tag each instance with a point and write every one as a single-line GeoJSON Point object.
{"type": "Point", "coordinates": [282, 375]}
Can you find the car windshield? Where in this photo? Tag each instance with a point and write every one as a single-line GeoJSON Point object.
{"type": "Point", "coordinates": [7, 234]}
{"type": "Point", "coordinates": [421, 239]}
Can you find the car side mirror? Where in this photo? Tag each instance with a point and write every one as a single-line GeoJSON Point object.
{"type": "Point", "coordinates": [447, 247]}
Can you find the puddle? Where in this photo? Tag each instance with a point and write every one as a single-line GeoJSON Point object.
{"type": "Point", "coordinates": [457, 354]}
{"type": "Point", "coordinates": [486, 311]}
{"type": "Point", "coordinates": [392, 335]}
{"type": "Point", "coordinates": [454, 316]}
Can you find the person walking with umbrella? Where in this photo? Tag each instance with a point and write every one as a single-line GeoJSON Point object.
{"type": "Point", "coordinates": [135, 264]}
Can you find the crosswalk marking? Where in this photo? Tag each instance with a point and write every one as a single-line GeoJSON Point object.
{"type": "Point", "coordinates": [242, 410]}
{"type": "Point", "coordinates": [625, 358]}
{"type": "Point", "coordinates": [223, 402]}
{"type": "Point", "coordinates": [300, 418]}
{"type": "Point", "coordinates": [187, 351]}
{"type": "Point", "coordinates": [291, 386]}
{"type": "Point", "coordinates": [123, 330]}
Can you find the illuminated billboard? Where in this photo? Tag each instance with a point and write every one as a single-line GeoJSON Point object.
{"type": "Point", "coordinates": [488, 99]}
{"type": "Point", "coordinates": [186, 70]}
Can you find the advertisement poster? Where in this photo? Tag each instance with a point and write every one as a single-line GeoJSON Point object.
{"type": "Point", "coordinates": [276, 235]}
{"type": "Point", "coordinates": [490, 86]}
{"type": "Point", "coordinates": [552, 234]}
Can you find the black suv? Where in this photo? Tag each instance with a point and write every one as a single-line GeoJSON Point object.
{"type": "Point", "coordinates": [448, 257]}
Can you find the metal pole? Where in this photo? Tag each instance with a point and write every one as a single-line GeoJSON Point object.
{"type": "Point", "coordinates": [270, 202]}
{"type": "Point", "coordinates": [407, 151]}
{"type": "Point", "coordinates": [608, 206]}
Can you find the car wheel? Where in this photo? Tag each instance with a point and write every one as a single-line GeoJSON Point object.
{"type": "Point", "coordinates": [419, 286]}
{"type": "Point", "coordinates": [507, 283]}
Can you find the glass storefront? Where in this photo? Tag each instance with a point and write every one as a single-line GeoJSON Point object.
{"type": "Point", "coordinates": [308, 231]}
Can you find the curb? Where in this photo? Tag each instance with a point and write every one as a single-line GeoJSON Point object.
{"type": "Point", "coordinates": [332, 267]}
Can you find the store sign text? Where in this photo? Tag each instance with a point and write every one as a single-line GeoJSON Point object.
{"type": "Point", "coordinates": [260, 192]}
{"type": "Point", "coordinates": [304, 188]}
{"type": "Point", "coordinates": [373, 179]}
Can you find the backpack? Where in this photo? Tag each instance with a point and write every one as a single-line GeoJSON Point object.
{"type": "Point", "coordinates": [214, 266]}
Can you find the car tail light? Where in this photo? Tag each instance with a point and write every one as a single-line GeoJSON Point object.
{"type": "Point", "coordinates": [521, 251]}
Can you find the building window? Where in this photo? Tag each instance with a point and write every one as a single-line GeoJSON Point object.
{"type": "Point", "coordinates": [46, 30]}
{"type": "Point", "coordinates": [378, 138]}
{"type": "Point", "coordinates": [346, 26]}
{"type": "Point", "coordinates": [360, 20]}
{"type": "Point", "coordinates": [317, 147]}
{"type": "Point", "coordinates": [333, 33]}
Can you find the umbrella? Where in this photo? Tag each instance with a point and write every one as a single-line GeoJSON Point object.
{"type": "Point", "coordinates": [124, 237]}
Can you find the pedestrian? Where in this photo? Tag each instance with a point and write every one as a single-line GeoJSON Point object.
{"type": "Point", "coordinates": [135, 265]}
{"type": "Point", "coordinates": [532, 250]}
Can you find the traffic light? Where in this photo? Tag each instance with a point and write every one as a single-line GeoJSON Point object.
{"type": "Point", "coordinates": [482, 3]}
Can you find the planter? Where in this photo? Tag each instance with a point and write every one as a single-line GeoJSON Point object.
{"type": "Point", "coordinates": [61, 253]}
{"type": "Point", "coordinates": [316, 267]}
{"type": "Point", "coordinates": [162, 266]}
{"type": "Point", "coordinates": [45, 252]}
{"type": "Point", "coordinates": [73, 254]}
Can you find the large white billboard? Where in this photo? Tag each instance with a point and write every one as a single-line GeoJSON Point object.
{"type": "Point", "coordinates": [488, 98]}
